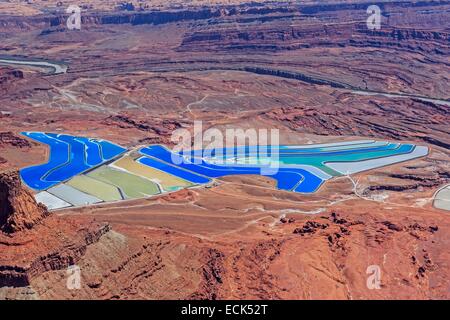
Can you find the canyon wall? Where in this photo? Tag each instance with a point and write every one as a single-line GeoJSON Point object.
{"type": "Point", "coordinates": [31, 241]}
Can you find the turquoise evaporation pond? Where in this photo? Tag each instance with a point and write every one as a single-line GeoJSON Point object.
{"type": "Point", "coordinates": [282, 149]}
{"type": "Point", "coordinates": [316, 157]}
{"type": "Point", "coordinates": [69, 156]}
{"type": "Point", "coordinates": [301, 169]}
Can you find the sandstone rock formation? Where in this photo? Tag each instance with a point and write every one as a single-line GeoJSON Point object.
{"type": "Point", "coordinates": [9, 77]}
{"type": "Point", "coordinates": [18, 209]}
{"type": "Point", "coordinates": [9, 138]}
{"type": "Point", "coordinates": [28, 244]}
{"type": "Point", "coordinates": [42, 251]}
{"type": "Point", "coordinates": [7, 74]}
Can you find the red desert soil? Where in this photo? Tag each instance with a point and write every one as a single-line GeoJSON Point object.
{"type": "Point", "coordinates": [135, 76]}
{"type": "Point", "coordinates": [191, 250]}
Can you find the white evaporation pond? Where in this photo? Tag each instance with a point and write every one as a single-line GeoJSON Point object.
{"type": "Point", "coordinates": [50, 201]}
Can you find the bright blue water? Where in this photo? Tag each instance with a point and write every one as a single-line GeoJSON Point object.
{"type": "Point", "coordinates": [110, 150]}
{"type": "Point", "coordinates": [77, 162]}
{"type": "Point", "coordinates": [59, 155]}
{"type": "Point", "coordinates": [69, 156]}
{"type": "Point", "coordinates": [286, 153]}
{"type": "Point", "coordinates": [93, 151]}
{"type": "Point", "coordinates": [287, 178]}
{"type": "Point", "coordinates": [284, 150]}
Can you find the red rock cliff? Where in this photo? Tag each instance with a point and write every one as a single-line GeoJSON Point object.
{"type": "Point", "coordinates": [18, 208]}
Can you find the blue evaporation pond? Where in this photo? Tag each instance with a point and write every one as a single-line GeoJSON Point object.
{"type": "Point", "coordinates": [291, 179]}
{"type": "Point", "coordinates": [282, 152]}
{"type": "Point", "coordinates": [286, 150]}
{"type": "Point", "coordinates": [69, 156]}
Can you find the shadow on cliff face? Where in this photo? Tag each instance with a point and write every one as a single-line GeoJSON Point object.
{"type": "Point", "coordinates": [24, 224]}
{"type": "Point", "coordinates": [18, 208]}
